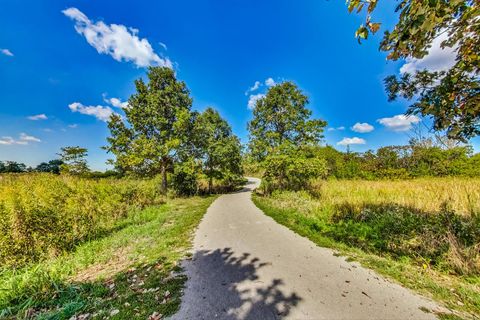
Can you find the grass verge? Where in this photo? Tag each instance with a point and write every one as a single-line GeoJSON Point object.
{"type": "Point", "coordinates": [461, 294]}
{"type": "Point", "coordinates": [129, 273]}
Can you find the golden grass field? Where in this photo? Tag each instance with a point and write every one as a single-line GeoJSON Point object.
{"type": "Point", "coordinates": [461, 195]}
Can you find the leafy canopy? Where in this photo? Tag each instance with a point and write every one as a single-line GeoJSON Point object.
{"type": "Point", "coordinates": [450, 97]}
{"type": "Point", "coordinates": [73, 160]}
{"type": "Point", "coordinates": [52, 166]}
{"type": "Point", "coordinates": [155, 125]}
{"type": "Point", "coordinates": [281, 117]}
{"type": "Point", "coordinates": [292, 168]}
{"type": "Point", "coordinates": [219, 148]}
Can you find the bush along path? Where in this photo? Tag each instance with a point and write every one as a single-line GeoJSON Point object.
{"type": "Point", "coordinates": [246, 266]}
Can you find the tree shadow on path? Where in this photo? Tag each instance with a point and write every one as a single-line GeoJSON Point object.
{"type": "Point", "coordinates": [223, 285]}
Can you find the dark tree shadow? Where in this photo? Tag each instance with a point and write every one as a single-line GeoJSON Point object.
{"type": "Point", "coordinates": [223, 285]}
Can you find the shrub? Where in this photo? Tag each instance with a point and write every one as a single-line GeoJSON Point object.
{"type": "Point", "coordinates": [185, 178]}
{"type": "Point", "coordinates": [291, 169]}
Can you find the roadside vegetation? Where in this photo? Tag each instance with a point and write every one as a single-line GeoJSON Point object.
{"type": "Point", "coordinates": [43, 215]}
{"type": "Point", "coordinates": [129, 272]}
{"type": "Point", "coordinates": [424, 233]}
{"type": "Point", "coordinates": [80, 244]}
{"type": "Point", "coordinates": [409, 212]}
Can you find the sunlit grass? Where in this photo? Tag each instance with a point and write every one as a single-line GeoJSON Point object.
{"type": "Point", "coordinates": [424, 233]}
{"type": "Point", "coordinates": [127, 273]}
{"type": "Point", "coordinates": [44, 215]}
{"type": "Point", "coordinates": [461, 195]}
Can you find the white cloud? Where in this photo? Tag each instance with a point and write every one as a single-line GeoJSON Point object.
{"type": "Point", "coordinates": [255, 87]}
{"type": "Point", "coordinates": [120, 42]}
{"type": "Point", "coordinates": [399, 122]}
{"type": "Point", "coordinates": [270, 82]}
{"type": "Point", "coordinates": [362, 127]}
{"type": "Point", "coordinates": [100, 112]}
{"type": "Point", "coordinates": [164, 46]}
{"type": "Point", "coordinates": [437, 59]}
{"type": "Point", "coordinates": [252, 101]}
{"type": "Point", "coordinates": [349, 141]}
{"type": "Point", "coordinates": [116, 102]}
{"type": "Point", "coordinates": [7, 141]}
{"type": "Point", "coordinates": [38, 117]}
{"type": "Point", "coordinates": [337, 128]}
{"type": "Point", "coordinates": [23, 139]}
{"type": "Point", "coordinates": [6, 52]}
{"type": "Point", "coordinates": [73, 126]}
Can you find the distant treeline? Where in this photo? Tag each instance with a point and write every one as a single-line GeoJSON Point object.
{"type": "Point", "coordinates": [52, 166]}
{"type": "Point", "coordinates": [400, 162]}
{"type": "Point", "coordinates": [390, 162]}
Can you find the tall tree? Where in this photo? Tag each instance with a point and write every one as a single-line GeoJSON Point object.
{"type": "Point", "coordinates": [450, 97]}
{"type": "Point", "coordinates": [219, 148]}
{"type": "Point", "coordinates": [281, 117]}
{"type": "Point", "coordinates": [52, 166]}
{"type": "Point", "coordinates": [155, 125]}
{"type": "Point", "coordinates": [73, 159]}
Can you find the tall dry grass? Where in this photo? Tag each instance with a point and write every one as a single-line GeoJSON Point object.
{"type": "Point", "coordinates": [432, 220]}
{"type": "Point", "coordinates": [43, 215]}
{"type": "Point", "coordinates": [461, 195]}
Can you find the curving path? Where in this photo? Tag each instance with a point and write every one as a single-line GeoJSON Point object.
{"type": "Point", "coordinates": [246, 266]}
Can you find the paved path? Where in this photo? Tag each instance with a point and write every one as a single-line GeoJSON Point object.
{"type": "Point", "coordinates": [246, 266]}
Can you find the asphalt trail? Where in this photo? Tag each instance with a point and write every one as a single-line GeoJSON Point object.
{"type": "Point", "coordinates": [247, 266]}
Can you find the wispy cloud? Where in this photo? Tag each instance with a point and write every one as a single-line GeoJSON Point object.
{"type": "Point", "coordinates": [362, 127]}
{"type": "Point", "coordinates": [6, 52]}
{"type": "Point", "coordinates": [163, 45]}
{"type": "Point", "coordinates": [270, 82]}
{"type": "Point", "coordinates": [116, 102]}
{"type": "Point", "coordinates": [37, 117]}
{"type": "Point", "coordinates": [73, 126]}
{"type": "Point", "coordinates": [252, 101]}
{"type": "Point", "coordinates": [253, 88]}
{"type": "Point", "coordinates": [7, 141]}
{"type": "Point", "coordinates": [337, 128]}
{"type": "Point", "coordinates": [399, 122]}
{"type": "Point", "coordinates": [102, 113]}
{"type": "Point", "coordinates": [350, 141]}
{"type": "Point", "coordinates": [24, 139]}
{"type": "Point", "coordinates": [116, 40]}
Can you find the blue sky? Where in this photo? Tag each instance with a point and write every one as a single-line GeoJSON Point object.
{"type": "Point", "coordinates": [66, 65]}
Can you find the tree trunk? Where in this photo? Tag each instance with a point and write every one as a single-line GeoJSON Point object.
{"type": "Point", "coordinates": [210, 184]}
{"type": "Point", "coordinates": [164, 178]}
